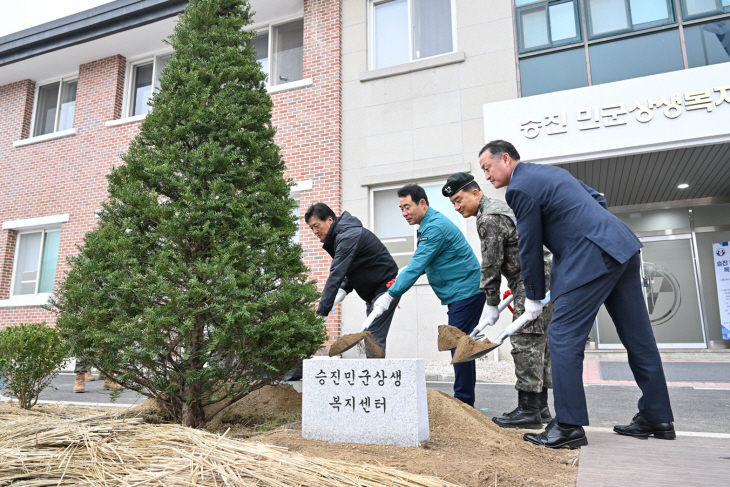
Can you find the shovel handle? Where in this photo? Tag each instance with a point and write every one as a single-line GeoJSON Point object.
{"type": "Point", "coordinates": [518, 323]}
{"type": "Point", "coordinates": [368, 321]}
{"type": "Point", "coordinates": [500, 307]}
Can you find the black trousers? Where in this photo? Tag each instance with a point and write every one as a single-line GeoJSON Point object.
{"type": "Point", "coordinates": [464, 315]}
{"type": "Point", "coordinates": [575, 312]}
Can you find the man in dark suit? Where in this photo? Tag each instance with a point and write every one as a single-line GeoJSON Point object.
{"type": "Point", "coordinates": [595, 261]}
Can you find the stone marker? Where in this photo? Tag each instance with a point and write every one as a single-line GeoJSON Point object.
{"type": "Point", "coordinates": [381, 402]}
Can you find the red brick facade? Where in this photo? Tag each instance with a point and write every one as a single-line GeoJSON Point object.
{"type": "Point", "coordinates": [67, 175]}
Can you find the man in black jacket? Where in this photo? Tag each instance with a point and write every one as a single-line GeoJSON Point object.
{"type": "Point", "coordinates": [359, 261]}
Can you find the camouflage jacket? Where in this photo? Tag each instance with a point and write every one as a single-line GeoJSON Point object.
{"type": "Point", "coordinates": [501, 257]}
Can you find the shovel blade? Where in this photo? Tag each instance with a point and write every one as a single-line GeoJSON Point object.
{"type": "Point", "coordinates": [469, 349]}
{"type": "Point", "coordinates": [346, 342]}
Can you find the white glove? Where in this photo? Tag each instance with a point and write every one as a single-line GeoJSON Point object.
{"type": "Point", "coordinates": [341, 295]}
{"type": "Point", "coordinates": [382, 304]}
{"type": "Point", "coordinates": [533, 309]}
{"type": "Point", "coordinates": [490, 315]}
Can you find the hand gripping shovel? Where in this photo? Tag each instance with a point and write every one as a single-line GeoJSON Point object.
{"type": "Point", "coordinates": [449, 336]}
{"type": "Point", "coordinates": [469, 349]}
{"type": "Point", "coordinates": [346, 342]}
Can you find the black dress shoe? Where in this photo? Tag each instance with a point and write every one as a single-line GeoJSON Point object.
{"type": "Point", "coordinates": [556, 436]}
{"type": "Point", "coordinates": [641, 428]}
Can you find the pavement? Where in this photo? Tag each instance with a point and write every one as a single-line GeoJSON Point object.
{"type": "Point", "coordinates": [700, 456]}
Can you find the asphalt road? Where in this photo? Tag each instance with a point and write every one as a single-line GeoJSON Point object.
{"type": "Point", "coordinates": [699, 410]}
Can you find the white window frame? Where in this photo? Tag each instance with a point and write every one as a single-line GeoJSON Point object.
{"type": "Point", "coordinates": [38, 86]}
{"type": "Point", "coordinates": [129, 79]}
{"type": "Point", "coordinates": [268, 28]}
{"type": "Point", "coordinates": [18, 236]}
{"type": "Point", "coordinates": [423, 184]}
{"type": "Point", "coordinates": [371, 33]}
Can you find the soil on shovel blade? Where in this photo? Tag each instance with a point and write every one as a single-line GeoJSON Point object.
{"type": "Point", "coordinates": [449, 337]}
{"type": "Point", "coordinates": [465, 448]}
{"type": "Point", "coordinates": [468, 346]}
{"type": "Point", "coordinates": [345, 342]}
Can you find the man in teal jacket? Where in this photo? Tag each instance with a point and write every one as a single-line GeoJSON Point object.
{"type": "Point", "coordinates": [453, 271]}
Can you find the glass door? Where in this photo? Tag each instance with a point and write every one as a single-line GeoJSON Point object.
{"type": "Point", "coordinates": [671, 294]}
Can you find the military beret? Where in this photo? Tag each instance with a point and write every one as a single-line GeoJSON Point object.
{"type": "Point", "coordinates": [456, 183]}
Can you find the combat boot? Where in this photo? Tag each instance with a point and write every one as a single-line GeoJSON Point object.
{"type": "Point", "coordinates": [89, 377]}
{"type": "Point", "coordinates": [80, 383]}
{"type": "Point", "coordinates": [545, 414]}
{"type": "Point", "coordinates": [527, 414]}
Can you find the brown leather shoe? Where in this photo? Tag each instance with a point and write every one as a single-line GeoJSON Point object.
{"type": "Point", "coordinates": [110, 385]}
{"type": "Point", "coordinates": [80, 383]}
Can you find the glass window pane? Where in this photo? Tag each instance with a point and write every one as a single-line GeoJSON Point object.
{"type": "Point", "coordinates": [390, 226]}
{"type": "Point", "coordinates": [26, 267]}
{"type": "Point", "coordinates": [644, 11]}
{"type": "Point", "coordinates": [289, 52]}
{"type": "Point", "coordinates": [635, 57]}
{"type": "Point", "coordinates": [68, 104]}
{"type": "Point", "coordinates": [261, 44]}
{"type": "Point", "coordinates": [141, 88]}
{"type": "Point", "coordinates": [711, 215]}
{"type": "Point", "coordinates": [708, 43]}
{"type": "Point", "coordinates": [607, 16]}
{"type": "Point", "coordinates": [442, 204]}
{"type": "Point", "coordinates": [562, 22]}
{"type": "Point", "coordinates": [49, 261]}
{"type": "Point", "coordinates": [562, 70]}
{"type": "Point", "coordinates": [296, 213]}
{"type": "Point", "coordinates": [390, 33]}
{"type": "Point", "coordinates": [161, 62]}
{"type": "Point", "coordinates": [522, 2]}
{"type": "Point", "coordinates": [654, 220]}
{"type": "Point", "coordinates": [45, 118]}
{"type": "Point", "coordinates": [432, 28]}
{"type": "Point", "coordinates": [698, 7]}
{"type": "Point", "coordinates": [533, 27]}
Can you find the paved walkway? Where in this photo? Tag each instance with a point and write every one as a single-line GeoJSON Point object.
{"type": "Point", "coordinates": [611, 460]}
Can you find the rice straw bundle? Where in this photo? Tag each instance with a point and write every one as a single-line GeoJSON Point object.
{"type": "Point", "coordinates": [57, 447]}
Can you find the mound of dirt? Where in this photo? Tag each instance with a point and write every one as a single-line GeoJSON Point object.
{"type": "Point", "coordinates": [470, 349]}
{"type": "Point", "coordinates": [449, 337]}
{"type": "Point", "coordinates": [465, 448]}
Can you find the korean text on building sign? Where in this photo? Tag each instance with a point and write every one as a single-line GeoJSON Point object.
{"type": "Point", "coordinates": [615, 114]}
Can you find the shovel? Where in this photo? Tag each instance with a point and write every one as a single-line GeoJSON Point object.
{"type": "Point", "coordinates": [346, 342]}
{"type": "Point", "coordinates": [469, 349]}
{"type": "Point", "coordinates": [449, 336]}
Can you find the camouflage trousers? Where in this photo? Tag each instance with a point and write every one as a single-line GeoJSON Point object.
{"type": "Point", "coordinates": [531, 354]}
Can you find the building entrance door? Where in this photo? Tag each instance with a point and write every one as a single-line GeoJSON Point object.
{"type": "Point", "coordinates": [671, 294]}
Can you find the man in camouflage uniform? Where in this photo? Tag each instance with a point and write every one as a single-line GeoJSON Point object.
{"type": "Point", "coordinates": [500, 257]}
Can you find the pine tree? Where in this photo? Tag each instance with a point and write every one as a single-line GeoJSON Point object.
{"type": "Point", "coordinates": [190, 289]}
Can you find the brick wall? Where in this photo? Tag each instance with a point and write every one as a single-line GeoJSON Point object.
{"type": "Point", "coordinates": [67, 175]}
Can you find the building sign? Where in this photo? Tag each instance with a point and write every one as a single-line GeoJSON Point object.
{"type": "Point", "coordinates": [664, 111]}
{"type": "Point", "coordinates": [721, 253]}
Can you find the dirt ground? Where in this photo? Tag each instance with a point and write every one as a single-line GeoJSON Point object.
{"type": "Point", "coordinates": [465, 448]}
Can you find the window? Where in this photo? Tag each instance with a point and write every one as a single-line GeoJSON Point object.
{"type": "Point", "coordinates": [54, 110]}
{"type": "Point", "coordinates": [707, 43]}
{"type": "Point", "coordinates": [701, 8]}
{"type": "Point", "coordinates": [408, 30]}
{"type": "Point", "coordinates": [548, 24]}
{"type": "Point", "coordinates": [280, 50]}
{"type": "Point", "coordinates": [618, 45]}
{"type": "Point", "coordinates": [568, 70]}
{"type": "Point", "coordinates": [36, 256]}
{"type": "Point", "coordinates": [634, 57]}
{"type": "Point", "coordinates": [607, 17]}
{"type": "Point", "coordinates": [145, 77]}
{"type": "Point", "coordinates": [396, 234]}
